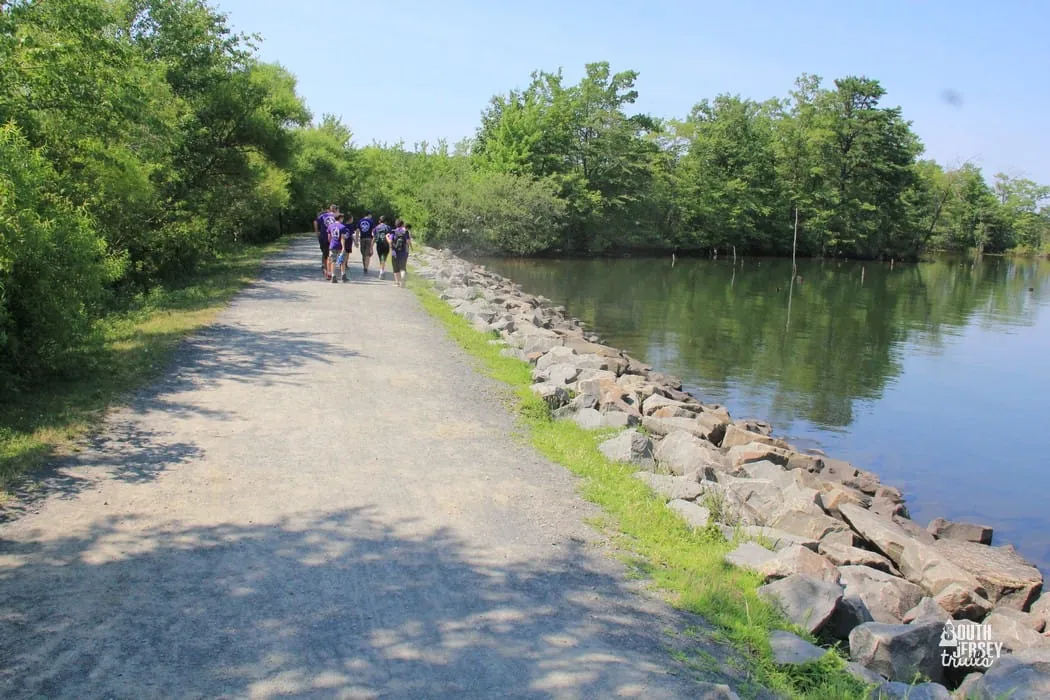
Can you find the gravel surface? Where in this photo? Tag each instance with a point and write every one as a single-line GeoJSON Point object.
{"type": "Point", "coordinates": [321, 497]}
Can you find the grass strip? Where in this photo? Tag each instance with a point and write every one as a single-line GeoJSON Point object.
{"type": "Point", "coordinates": [128, 348]}
{"type": "Point", "coordinates": [687, 564]}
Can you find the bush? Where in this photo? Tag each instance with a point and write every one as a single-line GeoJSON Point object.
{"type": "Point", "coordinates": [487, 212]}
{"type": "Point", "coordinates": [53, 264]}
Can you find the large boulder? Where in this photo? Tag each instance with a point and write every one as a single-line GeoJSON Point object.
{"type": "Point", "coordinates": [736, 435]}
{"type": "Point", "coordinates": [1021, 676]}
{"type": "Point", "coordinates": [1007, 578]}
{"type": "Point", "coordinates": [833, 495]}
{"type": "Point", "coordinates": [850, 613]}
{"type": "Point", "coordinates": [845, 555]}
{"type": "Point", "coordinates": [928, 609]}
{"type": "Point", "coordinates": [964, 532]}
{"type": "Point", "coordinates": [963, 603]}
{"type": "Point", "coordinates": [592, 419]}
{"type": "Point", "coordinates": [807, 523]}
{"type": "Point", "coordinates": [556, 355]}
{"type": "Point", "coordinates": [630, 447]}
{"type": "Point", "coordinates": [888, 598]}
{"type": "Point", "coordinates": [806, 601]}
{"type": "Point", "coordinates": [671, 487]}
{"type": "Point", "coordinates": [554, 395]}
{"type": "Point", "coordinates": [749, 555]}
{"type": "Point", "coordinates": [674, 412]}
{"type": "Point", "coordinates": [755, 452]}
{"type": "Point", "coordinates": [1041, 609]}
{"type": "Point", "coordinates": [775, 539]}
{"type": "Point", "coordinates": [885, 535]}
{"type": "Point", "coordinates": [899, 652]}
{"type": "Point", "coordinates": [534, 342]}
{"type": "Point", "coordinates": [756, 501]}
{"type": "Point", "coordinates": [656, 402]}
{"type": "Point", "coordinates": [790, 649]}
{"type": "Point", "coordinates": [796, 559]}
{"type": "Point", "coordinates": [695, 516]}
{"type": "Point", "coordinates": [684, 453]}
{"type": "Point", "coordinates": [896, 690]}
{"type": "Point", "coordinates": [1015, 634]}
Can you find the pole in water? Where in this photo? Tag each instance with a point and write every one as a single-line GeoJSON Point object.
{"type": "Point", "coordinates": [672, 259]}
{"type": "Point", "coordinates": [862, 269]}
{"type": "Point", "coordinates": [794, 244]}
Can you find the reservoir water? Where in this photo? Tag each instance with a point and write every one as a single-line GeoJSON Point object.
{"type": "Point", "coordinates": [936, 376]}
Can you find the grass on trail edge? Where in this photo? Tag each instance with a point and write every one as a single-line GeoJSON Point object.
{"type": "Point", "coordinates": [687, 564]}
{"type": "Point", "coordinates": [128, 349]}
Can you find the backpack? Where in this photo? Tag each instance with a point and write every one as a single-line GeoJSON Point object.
{"type": "Point", "coordinates": [400, 242]}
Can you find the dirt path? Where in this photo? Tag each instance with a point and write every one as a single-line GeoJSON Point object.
{"type": "Point", "coordinates": [322, 498]}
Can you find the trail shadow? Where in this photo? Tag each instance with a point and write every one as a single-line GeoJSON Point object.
{"type": "Point", "coordinates": [131, 452]}
{"type": "Point", "coordinates": [342, 604]}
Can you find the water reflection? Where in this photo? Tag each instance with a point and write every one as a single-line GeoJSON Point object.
{"type": "Point", "coordinates": [916, 371]}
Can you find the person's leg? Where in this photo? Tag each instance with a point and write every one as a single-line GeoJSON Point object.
{"type": "Point", "coordinates": [346, 261]}
{"type": "Point", "coordinates": [324, 260]}
{"type": "Point", "coordinates": [404, 270]}
{"type": "Point", "coordinates": [366, 253]}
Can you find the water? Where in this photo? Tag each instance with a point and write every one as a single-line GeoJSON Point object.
{"type": "Point", "coordinates": [935, 376]}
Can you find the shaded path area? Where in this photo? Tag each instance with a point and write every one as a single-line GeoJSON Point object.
{"type": "Point", "coordinates": [322, 498]}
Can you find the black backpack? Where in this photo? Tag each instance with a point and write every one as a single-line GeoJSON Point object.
{"type": "Point", "coordinates": [400, 242]}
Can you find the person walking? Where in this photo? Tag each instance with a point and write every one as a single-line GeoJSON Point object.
{"type": "Point", "coordinates": [382, 231]}
{"type": "Point", "coordinates": [337, 237]}
{"type": "Point", "coordinates": [400, 245]}
{"type": "Point", "coordinates": [365, 237]}
{"type": "Point", "coordinates": [321, 224]}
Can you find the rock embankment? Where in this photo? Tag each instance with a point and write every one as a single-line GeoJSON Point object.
{"type": "Point", "coordinates": [836, 547]}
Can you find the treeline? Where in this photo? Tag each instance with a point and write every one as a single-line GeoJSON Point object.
{"type": "Point", "coordinates": [569, 169]}
{"type": "Point", "coordinates": [139, 138]}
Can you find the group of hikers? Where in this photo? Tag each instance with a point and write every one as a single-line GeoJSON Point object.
{"type": "Point", "coordinates": [337, 234]}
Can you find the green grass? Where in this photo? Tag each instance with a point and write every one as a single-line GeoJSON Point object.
{"type": "Point", "coordinates": [688, 565]}
{"type": "Point", "coordinates": [129, 348]}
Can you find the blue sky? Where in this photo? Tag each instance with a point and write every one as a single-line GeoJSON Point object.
{"type": "Point", "coordinates": [414, 70]}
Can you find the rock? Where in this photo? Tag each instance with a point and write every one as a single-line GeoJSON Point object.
{"type": "Point", "coordinates": [888, 598]}
{"type": "Point", "coordinates": [671, 487]}
{"type": "Point", "coordinates": [864, 674]}
{"type": "Point", "coordinates": [749, 556]}
{"type": "Point", "coordinates": [540, 343]}
{"type": "Point", "coordinates": [927, 566]}
{"type": "Point", "coordinates": [967, 689]}
{"type": "Point", "coordinates": [1032, 621]}
{"type": "Point", "coordinates": [963, 603]}
{"type": "Point", "coordinates": [796, 559]}
{"type": "Point", "coordinates": [849, 613]}
{"type": "Point", "coordinates": [846, 555]}
{"type": "Point", "coordinates": [674, 412]}
{"type": "Point", "coordinates": [884, 535]}
{"type": "Point", "coordinates": [755, 500]}
{"type": "Point", "coordinates": [694, 515]}
{"type": "Point", "coordinates": [1041, 609]}
{"type": "Point", "coordinates": [754, 452]}
{"type": "Point", "coordinates": [899, 652]}
{"type": "Point", "coordinates": [556, 355]}
{"type": "Point", "coordinates": [713, 691]}
{"type": "Point", "coordinates": [1006, 577]}
{"type": "Point", "coordinates": [833, 495]}
{"type": "Point", "coordinates": [637, 367]}
{"type": "Point", "coordinates": [703, 426]}
{"type": "Point", "coordinates": [513, 353]}
{"type": "Point", "coordinates": [459, 293]}
{"type": "Point", "coordinates": [736, 436]}
{"type": "Point", "coordinates": [807, 523]}
{"type": "Point", "coordinates": [592, 419]}
{"type": "Point", "coordinates": [790, 649]}
{"type": "Point", "coordinates": [927, 610]}
{"type": "Point", "coordinates": [888, 509]}
{"type": "Point", "coordinates": [1021, 676]}
{"type": "Point", "coordinates": [776, 539]}
{"type": "Point", "coordinates": [553, 395]}
{"type": "Point", "coordinates": [630, 447]}
{"type": "Point", "coordinates": [806, 601]}
{"type": "Point", "coordinates": [964, 532]}
{"type": "Point", "coordinates": [684, 453]}
{"type": "Point", "coordinates": [1014, 634]}
{"type": "Point", "coordinates": [846, 538]}
{"type": "Point", "coordinates": [668, 380]}
{"type": "Point", "coordinates": [656, 402]}
{"type": "Point", "coordinates": [895, 690]}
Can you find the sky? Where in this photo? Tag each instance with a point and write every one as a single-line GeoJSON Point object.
{"type": "Point", "coordinates": [413, 70]}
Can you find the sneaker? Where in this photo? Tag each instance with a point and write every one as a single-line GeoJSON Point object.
{"type": "Point", "coordinates": [344, 278]}
{"type": "Point", "coordinates": [335, 280]}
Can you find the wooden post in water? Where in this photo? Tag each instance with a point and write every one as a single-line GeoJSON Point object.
{"type": "Point", "coordinates": [794, 246]}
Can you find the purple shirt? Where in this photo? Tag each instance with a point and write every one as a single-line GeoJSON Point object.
{"type": "Point", "coordinates": [337, 233]}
